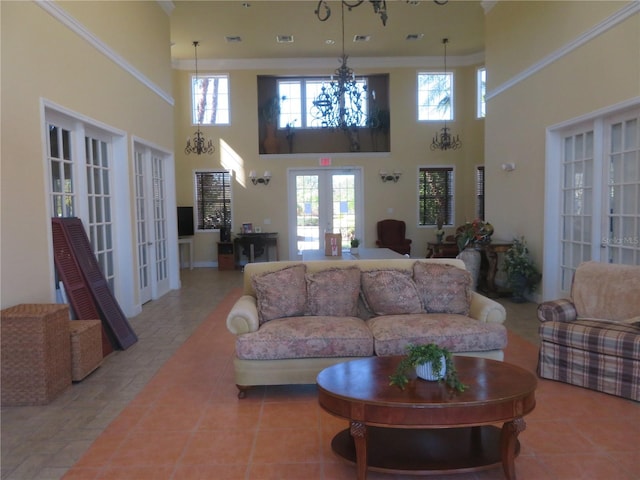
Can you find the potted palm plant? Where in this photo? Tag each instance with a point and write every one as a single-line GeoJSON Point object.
{"type": "Point", "coordinates": [431, 362]}
{"type": "Point", "coordinates": [522, 274]}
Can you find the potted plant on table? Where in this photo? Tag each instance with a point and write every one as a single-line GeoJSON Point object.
{"type": "Point", "coordinates": [522, 274]}
{"type": "Point", "coordinates": [431, 362]}
{"type": "Point", "coordinates": [355, 243]}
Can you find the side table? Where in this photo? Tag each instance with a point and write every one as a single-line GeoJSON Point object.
{"type": "Point", "coordinates": [442, 250]}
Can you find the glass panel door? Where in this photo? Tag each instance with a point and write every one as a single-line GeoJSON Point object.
{"type": "Point", "coordinates": [323, 201]}
{"type": "Point", "coordinates": [599, 194]}
{"type": "Point", "coordinates": [577, 199]}
{"type": "Point", "coordinates": [100, 224]}
{"type": "Point", "coordinates": [143, 243]}
{"type": "Point", "coordinates": [151, 224]}
{"type": "Point", "coordinates": [621, 224]}
{"type": "Point", "coordinates": [160, 224]}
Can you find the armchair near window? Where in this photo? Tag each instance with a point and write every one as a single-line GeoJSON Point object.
{"type": "Point", "coordinates": [391, 234]}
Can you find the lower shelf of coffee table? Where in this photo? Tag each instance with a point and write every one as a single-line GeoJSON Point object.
{"type": "Point", "coordinates": [424, 451]}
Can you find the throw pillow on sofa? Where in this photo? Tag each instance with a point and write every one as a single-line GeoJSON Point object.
{"type": "Point", "coordinates": [333, 292]}
{"type": "Point", "coordinates": [282, 293]}
{"type": "Point", "coordinates": [390, 292]}
{"type": "Point", "coordinates": [443, 288]}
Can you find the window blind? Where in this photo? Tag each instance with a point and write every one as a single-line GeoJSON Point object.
{"type": "Point", "coordinates": [435, 195]}
{"type": "Point", "coordinates": [213, 200]}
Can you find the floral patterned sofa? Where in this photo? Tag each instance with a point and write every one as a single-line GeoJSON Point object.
{"type": "Point", "coordinates": [297, 318]}
{"type": "Point", "coordinates": [593, 338]}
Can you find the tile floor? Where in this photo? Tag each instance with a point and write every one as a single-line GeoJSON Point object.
{"type": "Point", "coordinates": [133, 419]}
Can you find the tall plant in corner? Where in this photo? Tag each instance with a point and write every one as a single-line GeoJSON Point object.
{"type": "Point", "coordinates": [522, 274]}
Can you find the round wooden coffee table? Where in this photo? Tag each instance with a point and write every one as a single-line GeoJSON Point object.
{"type": "Point", "coordinates": [427, 427]}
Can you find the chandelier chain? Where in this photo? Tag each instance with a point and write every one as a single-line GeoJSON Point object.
{"type": "Point", "coordinates": [446, 140]}
{"type": "Point", "coordinates": [199, 144]}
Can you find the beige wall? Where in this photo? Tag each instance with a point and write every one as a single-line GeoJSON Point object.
{"type": "Point", "coordinates": [43, 59]}
{"type": "Point", "coordinates": [602, 72]}
{"type": "Point", "coordinates": [410, 142]}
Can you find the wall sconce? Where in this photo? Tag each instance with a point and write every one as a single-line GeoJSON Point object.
{"type": "Point", "coordinates": [508, 167]}
{"type": "Point", "coordinates": [264, 179]}
{"type": "Point", "coordinates": [388, 177]}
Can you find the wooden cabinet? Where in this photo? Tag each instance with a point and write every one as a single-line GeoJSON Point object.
{"type": "Point", "coordinates": [226, 256]}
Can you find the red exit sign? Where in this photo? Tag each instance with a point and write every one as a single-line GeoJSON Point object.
{"type": "Point", "coordinates": [325, 161]}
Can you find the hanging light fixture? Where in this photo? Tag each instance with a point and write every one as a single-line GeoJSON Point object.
{"type": "Point", "coordinates": [340, 103]}
{"type": "Point", "coordinates": [445, 140]}
{"type": "Point", "coordinates": [199, 144]}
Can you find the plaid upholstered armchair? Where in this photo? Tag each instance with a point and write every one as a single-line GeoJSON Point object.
{"type": "Point", "coordinates": [593, 338]}
{"type": "Point", "coordinates": [391, 234]}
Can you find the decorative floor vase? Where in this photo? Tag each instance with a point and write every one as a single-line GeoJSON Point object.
{"type": "Point", "coordinates": [271, 142]}
{"type": "Point", "coordinates": [425, 371]}
{"type": "Point", "coordinates": [471, 258]}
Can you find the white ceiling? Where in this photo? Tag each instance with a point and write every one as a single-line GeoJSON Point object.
{"type": "Point", "coordinates": [258, 25]}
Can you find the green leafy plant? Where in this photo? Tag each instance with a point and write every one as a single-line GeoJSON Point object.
{"type": "Point", "coordinates": [355, 243]}
{"type": "Point", "coordinates": [418, 354]}
{"type": "Point", "coordinates": [520, 269]}
{"type": "Point", "coordinates": [270, 110]}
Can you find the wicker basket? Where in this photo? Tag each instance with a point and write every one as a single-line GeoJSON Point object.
{"type": "Point", "coordinates": [36, 353]}
{"type": "Point", "coordinates": [86, 347]}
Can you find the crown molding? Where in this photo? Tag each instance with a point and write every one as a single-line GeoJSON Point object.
{"type": "Point", "coordinates": [67, 20]}
{"type": "Point", "coordinates": [327, 63]}
{"type": "Point", "coordinates": [618, 17]}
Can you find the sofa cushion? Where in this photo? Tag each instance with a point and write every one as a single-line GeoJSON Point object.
{"type": "Point", "coordinates": [306, 337]}
{"type": "Point", "coordinates": [443, 288]}
{"type": "Point", "coordinates": [282, 293]}
{"type": "Point", "coordinates": [606, 291]}
{"type": "Point", "coordinates": [392, 333]}
{"type": "Point", "coordinates": [616, 339]}
{"type": "Point", "coordinates": [390, 292]}
{"type": "Point", "coordinates": [333, 292]}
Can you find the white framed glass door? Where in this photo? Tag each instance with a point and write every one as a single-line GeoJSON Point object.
{"type": "Point", "coordinates": [323, 200]}
{"type": "Point", "coordinates": [593, 202]}
{"type": "Point", "coordinates": [151, 224]}
{"type": "Point", "coordinates": [621, 197]}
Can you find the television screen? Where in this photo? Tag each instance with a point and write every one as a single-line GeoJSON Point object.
{"type": "Point", "coordinates": [185, 221]}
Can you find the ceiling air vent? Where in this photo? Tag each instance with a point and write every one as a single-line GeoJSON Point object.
{"type": "Point", "coordinates": [361, 38]}
{"type": "Point", "coordinates": [233, 38]}
{"type": "Point", "coordinates": [284, 38]}
{"type": "Point", "coordinates": [412, 37]}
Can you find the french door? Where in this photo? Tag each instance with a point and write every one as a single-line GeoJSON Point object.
{"type": "Point", "coordinates": [151, 223]}
{"type": "Point", "coordinates": [599, 195]}
{"type": "Point", "coordinates": [323, 201]}
{"type": "Point", "coordinates": [81, 184]}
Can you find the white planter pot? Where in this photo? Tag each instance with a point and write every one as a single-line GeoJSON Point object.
{"type": "Point", "coordinates": [354, 251]}
{"type": "Point", "coordinates": [425, 371]}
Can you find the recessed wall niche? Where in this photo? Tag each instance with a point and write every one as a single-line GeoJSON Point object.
{"type": "Point", "coordinates": [282, 132]}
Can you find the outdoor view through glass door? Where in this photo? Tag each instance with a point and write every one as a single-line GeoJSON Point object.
{"type": "Point", "coordinates": [323, 201]}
